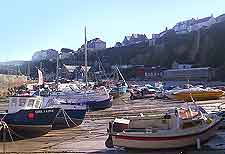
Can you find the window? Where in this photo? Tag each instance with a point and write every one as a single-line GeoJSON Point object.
{"type": "Point", "coordinates": [37, 104]}
{"type": "Point", "coordinates": [13, 102]}
{"type": "Point", "coordinates": [22, 102]}
{"type": "Point", "coordinates": [30, 103]}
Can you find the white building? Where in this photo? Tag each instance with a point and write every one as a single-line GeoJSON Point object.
{"type": "Point", "coordinates": [93, 45]}
{"type": "Point", "coordinates": [49, 54]}
{"type": "Point", "coordinates": [184, 26]}
{"type": "Point", "coordinates": [96, 44]}
{"type": "Point", "coordinates": [204, 22]}
{"type": "Point", "coordinates": [134, 39]}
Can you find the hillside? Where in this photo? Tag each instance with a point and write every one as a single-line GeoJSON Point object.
{"type": "Point", "coordinates": [203, 48]}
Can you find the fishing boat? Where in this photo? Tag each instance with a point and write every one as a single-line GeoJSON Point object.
{"type": "Point", "coordinates": [178, 128]}
{"type": "Point", "coordinates": [199, 94]}
{"type": "Point", "coordinates": [120, 87]}
{"type": "Point", "coordinates": [94, 99]}
{"type": "Point", "coordinates": [98, 98]}
{"type": "Point", "coordinates": [72, 114]}
{"type": "Point", "coordinates": [72, 111]}
{"type": "Point", "coordinates": [24, 117]}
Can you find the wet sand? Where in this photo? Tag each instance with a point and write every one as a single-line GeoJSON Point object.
{"type": "Point", "coordinates": [90, 136]}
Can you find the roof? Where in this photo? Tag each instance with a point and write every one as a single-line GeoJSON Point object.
{"type": "Point", "coordinates": [83, 68]}
{"type": "Point", "coordinates": [70, 68]}
{"type": "Point", "coordinates": [221, 15]}
{"type": "Point", "coordinates": [202, 20]}
{"type": "Point", "coordinates": [190, 21]}
{"type": "Point", "coordinates": [127, 37]}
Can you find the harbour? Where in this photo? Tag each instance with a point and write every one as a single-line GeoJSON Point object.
{"type": "Point", "coordinates": [90, 136]}
{"type": "Point", "coordinates": [158, 93]}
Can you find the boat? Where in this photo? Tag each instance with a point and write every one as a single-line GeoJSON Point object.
{"type": "Point", "coordinates": [72, 111]}
{"type": "Point", "coordinates": [142, 92]}
{"type": "Point", "coordinates": [120, 88]}
{"type": "Point", "coordinates": [98, 98]}
{"type": "Point", "coordinates": [94, 99]}
{"type": "Point", "coordinates": [199, 94]}
{"type": "Point", "coordinates": [25, 119]}
{"type": "Point", "coordinates": [178, 128]}
{"type": "Point", "coordinates": [72, 114]}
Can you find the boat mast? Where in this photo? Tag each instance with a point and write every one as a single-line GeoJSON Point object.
{"type": "Point", "coordinates": [85, 52]}
{"type": "Point", "coordinates": [121, 75]}
{"type": "Point", "coordinates": [57, 71]}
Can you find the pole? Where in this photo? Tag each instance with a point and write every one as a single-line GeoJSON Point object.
{"type": "Point", "coordinates": [28, 70]}
{"type": "Point", "coordinates": [85, 52]}
{"type": "Point", "coordinates": [57, 71]}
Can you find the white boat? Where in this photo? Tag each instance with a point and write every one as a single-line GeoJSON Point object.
{"type": "Point", "coordinates": [178, 128]}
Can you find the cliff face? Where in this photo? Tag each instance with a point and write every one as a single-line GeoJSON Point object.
{"type": "Point", "coordinates": [203, 48]}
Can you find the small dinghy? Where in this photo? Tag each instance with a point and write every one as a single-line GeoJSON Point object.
{"type": "Point", "coordinates": [176, 129]}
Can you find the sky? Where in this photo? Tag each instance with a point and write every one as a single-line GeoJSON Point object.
{"type": "Point", "coordinates": [28, 26]}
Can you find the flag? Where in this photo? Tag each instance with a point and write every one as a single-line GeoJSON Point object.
{"type": "Point", "coordinates": [40, 78]}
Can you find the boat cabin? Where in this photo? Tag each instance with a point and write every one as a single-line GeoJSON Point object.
{"type": "Point", "coordinates": [17, 103]}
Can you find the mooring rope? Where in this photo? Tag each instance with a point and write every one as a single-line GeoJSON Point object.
{"type": "Point", "coordinates": [69, 118]}
{"type": "Point", "coordinates": [63, 111]}
{"type": "Point", "coordinates": [5, 126]}
{"type": "Point", "coordinates": [3, 117]}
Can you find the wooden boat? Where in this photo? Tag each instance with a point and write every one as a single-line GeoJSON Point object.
{"type": "Point", "coordinates": [177, 129]}
{"type": "Point", "coordinates": [198, 94]}
{"type": "Point", "coordinates": [25, 119]}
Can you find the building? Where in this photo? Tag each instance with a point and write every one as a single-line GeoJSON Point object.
{"type": "Point", "coordinates": [66, 53]}
{"type": "Point", "coordinates": [118, 45]}
{"type": "Point", "coordinates": [93, 45]}
{"type": "Point", "coordinates": [68, 71]}
{"type": "Point", "coordinates": [184, 26]}
{"type": "Point", "coordinates": [96, 44]}
{"type": "Point", "coordinates": [220, 18]}
{"type": "Point", "coordinates": [204, 73]}
{"type": "Point", "coordinates": [157, 36]}
{"type": "Point", "coordinates": [154, 73]}
{"type": "Point", "coordinates": [71, 72]}
{"type": "Point", "coordinates": [151, 42]}
{"type": "Point", "coordinates": [49, 54]}
{"type": "Point", "coordinates": [134, 39]}
{"type": "Point", "coordinates": [176, 65]}
{"type": "Point", "coordinates": [204, 22]}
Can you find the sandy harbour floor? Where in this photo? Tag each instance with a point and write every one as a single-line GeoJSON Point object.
{"type": "Point", "coordinates": [91, 135]}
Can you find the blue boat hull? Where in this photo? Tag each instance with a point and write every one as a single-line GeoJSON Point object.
{"type": "Point", "coordinates": [99, 105]}
{"type": "Point", "coordinates": [29, 123]}
{"type": "Point", "coordinates": [70, 118]}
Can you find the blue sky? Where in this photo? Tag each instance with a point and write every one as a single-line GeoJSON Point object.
{"type": "Point", "coordinates": [31, 25]}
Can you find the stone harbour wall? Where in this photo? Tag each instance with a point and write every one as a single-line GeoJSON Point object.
{"type": "Point", "coordinates": [10, 81]}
